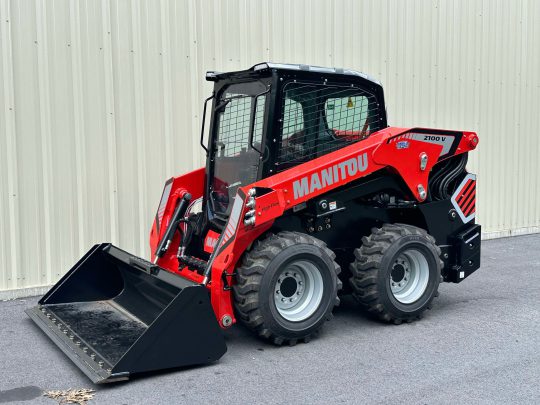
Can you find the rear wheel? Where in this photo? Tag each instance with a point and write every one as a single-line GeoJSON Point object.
{"type": "Point", "coordinates": [287, 287]}
{"type": "Point", "coordinates": [396, 272]}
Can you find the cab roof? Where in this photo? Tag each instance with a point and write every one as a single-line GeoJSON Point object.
{"type": "Point", "coordinates": [265, 66]}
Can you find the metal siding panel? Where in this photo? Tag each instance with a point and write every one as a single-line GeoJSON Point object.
{"type": "Point", "coordinates": [101, 102]}
{"type": "Point", "coordinates": [140, 120]}
{"type": "Point", "coordinates": [63, 213]}
{"type": "Point", "coordinates": [125, 125]}
{"type": "Point", "coordinates": [47, 231]}
{"type": "Point", "coordinates": [110, 119]}
{"type": "Point", "coordinates": [25, 156]}
{"type": "Point", "coordinates": [10, 205]}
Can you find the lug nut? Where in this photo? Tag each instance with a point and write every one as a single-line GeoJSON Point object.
{"type": "Point", "coordinates": [226, 321]}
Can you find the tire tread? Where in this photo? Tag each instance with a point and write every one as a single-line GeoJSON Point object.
{"type": "Point", "coordinates": [366, 266]}
{"type": "Point", "coordinates": [249, 277]}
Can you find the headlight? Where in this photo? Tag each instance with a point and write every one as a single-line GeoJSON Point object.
{"type": "Point", "coordinates": [195, 207]}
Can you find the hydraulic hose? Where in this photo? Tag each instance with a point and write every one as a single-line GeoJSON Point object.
{"type": "Point", "coordinates": [178, 215]}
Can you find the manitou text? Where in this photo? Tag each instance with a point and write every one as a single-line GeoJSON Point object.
{"type": "Point", "coordinates": [333, 174]}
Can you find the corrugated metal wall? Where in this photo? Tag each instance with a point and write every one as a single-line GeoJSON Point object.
{"type": "Point", "coordinates": [100, 103]}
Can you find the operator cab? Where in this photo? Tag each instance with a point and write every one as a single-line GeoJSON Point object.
{"type": "Point", "coordinates": [272, 117]}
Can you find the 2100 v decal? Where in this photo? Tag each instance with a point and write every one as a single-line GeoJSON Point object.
{"type": "Point", "coordinates": [445, 140]}
{"type": "Point", "coordinates": [434, 138]}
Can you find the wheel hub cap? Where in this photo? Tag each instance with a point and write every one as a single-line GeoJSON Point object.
{"type": "Point", "coordinates": [288, 287]}
{"type": "Point", "coordinates": [298, 290]}
{"type": "Point", "coordinates": [409, 276]}
{"type": "Point", "coordinates": [398, 272]}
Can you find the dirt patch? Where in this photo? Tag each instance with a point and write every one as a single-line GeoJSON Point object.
{"type": "Point", "coordinates": [81, 396]}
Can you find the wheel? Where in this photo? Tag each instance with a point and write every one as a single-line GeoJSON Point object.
{"type": "Point", "coordinates": [396, 272]}
{"type": "Point", "coordinates": [286, 287]}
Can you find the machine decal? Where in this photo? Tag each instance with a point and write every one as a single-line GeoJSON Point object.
{"type": "Point", "coordinates": [210, 241]}
{"type": "Point", "coordinates": [439, 139]}
{"type": "Point", "coordinates": [445, 140]}
{"type": "Point", "coordinates": [333, 174]}
{"type": "Point", "coordinates": [402, 145]}
{"type": "Point", "coordinates": [233, 220]}
{"type": "Point", "coordinates": [464, 198]}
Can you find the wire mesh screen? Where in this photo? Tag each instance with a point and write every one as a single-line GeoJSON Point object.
{"type": "Point", "coordinates": [321, 119]}
{"type": "Point", "coordinates": [233, 131]}
{"type": "Point", "coordinates": [235, 161]}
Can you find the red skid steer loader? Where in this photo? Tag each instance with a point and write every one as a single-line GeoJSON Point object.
{"type": "Point", "coordinates": [307, 194]}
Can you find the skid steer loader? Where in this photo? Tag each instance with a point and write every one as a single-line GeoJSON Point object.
{"type": "Point", "coordinates": [307, 194]}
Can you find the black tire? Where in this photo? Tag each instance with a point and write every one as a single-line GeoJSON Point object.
{"type": "Point", "coordinates": [257, 277]}
{"type": "Point", "coordinates": [378, 257]}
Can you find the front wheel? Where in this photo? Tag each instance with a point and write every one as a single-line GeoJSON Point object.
{"type": "Point", "coordinates": [396, 272]}
{"type": "Point", "coordinates": [286, 287]}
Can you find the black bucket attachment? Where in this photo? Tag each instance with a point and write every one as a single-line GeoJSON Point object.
{"type": "Point", "coordinates": [115, 314]}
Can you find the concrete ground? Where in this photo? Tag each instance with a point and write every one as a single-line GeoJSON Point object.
{"type": "Point", "coordinates": [479, 344]}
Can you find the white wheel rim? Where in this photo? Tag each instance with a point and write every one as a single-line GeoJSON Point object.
{"type": "Point", "coordinates": [298, 290]}
{"type": "Point", "coordinates": [409, 276]}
